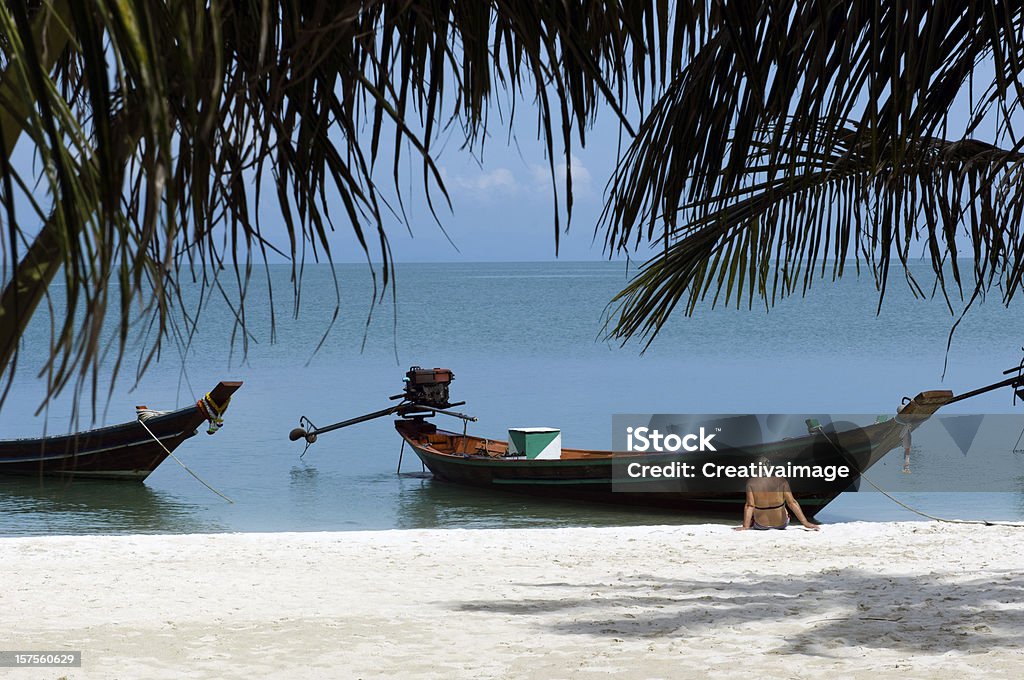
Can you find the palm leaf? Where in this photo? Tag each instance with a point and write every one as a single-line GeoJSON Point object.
{"type": "Point", "coordinates": [236, 101]}
{"type": "Point", "coordinates": [805, 132]}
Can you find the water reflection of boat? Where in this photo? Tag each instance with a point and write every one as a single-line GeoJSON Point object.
{"type": "Point", "coordinates": [423, 503]}
{"type": "Point", "coordinates": [533, 462]}
{"type": "Point", "coordinates": [129, 451]}
{"type": "Point", "coordinates": [103, 506]}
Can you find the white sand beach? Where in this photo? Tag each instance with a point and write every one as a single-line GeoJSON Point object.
{"type": "Point", "coordinates": [854, 600]}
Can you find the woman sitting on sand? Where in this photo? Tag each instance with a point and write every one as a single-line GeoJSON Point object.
{"type": "Point", "coordinates": [767, 498]}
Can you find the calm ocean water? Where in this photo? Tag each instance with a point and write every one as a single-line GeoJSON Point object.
{"type": "Point", "coordinates": [524, 342]}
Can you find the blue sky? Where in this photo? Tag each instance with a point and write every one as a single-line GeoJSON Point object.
{"type": "Point", "coordinates": [502, 202]}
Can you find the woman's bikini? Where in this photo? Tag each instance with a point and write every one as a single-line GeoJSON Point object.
{"type": "Point", "coordinates": [771, 507]}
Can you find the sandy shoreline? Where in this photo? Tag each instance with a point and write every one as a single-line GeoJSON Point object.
{"type": "Point", "coordinates": [857, 599]}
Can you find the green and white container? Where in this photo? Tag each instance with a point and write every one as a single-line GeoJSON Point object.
{"type": "Point", "coordinates": [542, 443]}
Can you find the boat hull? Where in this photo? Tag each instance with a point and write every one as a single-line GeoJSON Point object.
{"type": "Point", "coordinates": [128, 451]}
{"type": "Point", "coordinates": [590, 482]}
{"type": "Point", "coordinates": [591, 476]}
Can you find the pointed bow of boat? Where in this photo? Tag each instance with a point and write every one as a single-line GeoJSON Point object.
{"type": "Point", "coordinates": [128, 451]}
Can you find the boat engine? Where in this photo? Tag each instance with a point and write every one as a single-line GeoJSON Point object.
{"type": "Point", "coordinates": [428, 386]}
{"type": "Point", "coordinates": [425, 395]}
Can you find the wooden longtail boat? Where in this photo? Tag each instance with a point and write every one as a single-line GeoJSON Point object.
{"type": "Point", "coordinates": [129, 451]}
{"type": "Point", "coordinates": [587, 475]}
{"type": "Point", "coordinates": [591, 475]}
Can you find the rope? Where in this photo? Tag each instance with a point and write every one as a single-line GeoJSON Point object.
{"type": "Point", "coordinates": [1017, 443]}
{"type": "Point", "coordinates": [983, 522]}
{"type": "Point", "coordinates": [185, 467]}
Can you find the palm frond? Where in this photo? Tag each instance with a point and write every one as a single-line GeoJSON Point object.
{"type": "Point", "coordinates": [223, 103]}
{"type": "Point", "coordinates": [774, 236]}
{"type": "Point", "coordinates": [802, 131]}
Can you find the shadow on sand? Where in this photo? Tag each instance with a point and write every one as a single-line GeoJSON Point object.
{"type": "Point", "coordinates": [837, 608]}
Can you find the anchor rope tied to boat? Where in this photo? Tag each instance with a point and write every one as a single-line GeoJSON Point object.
{"type": "Point", "coordinates": [179, 462]}
{"type": "Point", "coordinates": [213, 412]}
{"type": "Point", "coordinates": [950, 520]}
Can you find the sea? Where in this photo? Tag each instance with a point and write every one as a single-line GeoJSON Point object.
{"type": "Point", "coordinates": [528, 347]}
